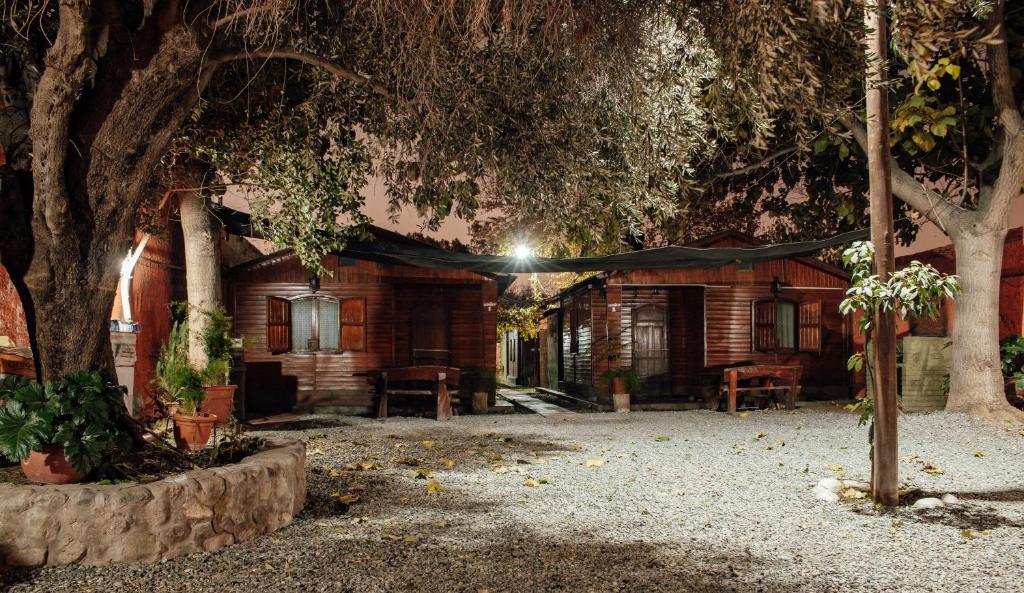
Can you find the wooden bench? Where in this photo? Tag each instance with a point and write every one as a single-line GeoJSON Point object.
{"type": "Point", "coordinates": [436, 382]}
{"type": "Point", "coordinates": [788, 377]}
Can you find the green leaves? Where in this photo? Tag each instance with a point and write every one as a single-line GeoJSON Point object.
{"type": "Point", "coordinates": [81, 412]}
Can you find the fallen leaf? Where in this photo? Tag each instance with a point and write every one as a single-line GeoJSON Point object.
{"type": "Point", "coordinates": [423, 473]}
{"type": "Point", "coordinates": [530, 482]}
{"type": "Point", "coordinates": [499, 469]}
{"type": "Point", "coordinates": [449, 463]}
{"type": "Point", "coordinates": [428, 443]}
{"type": "Point", "coordinates": [268, 567]}
{"type": "Point", "coordinates": [836, 467]}
{"type": "Point", "coordinates": [434, 487]}
{"type": "Point", "coordinates": [662, 439]}
{"type": "Point", "coordinates": [967, 533]}
{"type": "Point", "coordinates": [897, 523]}
{"type": "Point", "coordinates": [594, 462]}
{"type": "Point", "coordinates": [744, 414]}
{"type": "Point", "coordinates": [345, 498]}
{"type": "Point", "coordinates": [928, 468]}
{"type": "Point", "coordinates": [316, 451]}
{"type": "Point", "coordinates": [334, 473]}
{"type": "Point", "coordinates": [760, 435]}
{"type": "Point", "coordinates": [853, 494]}
{"type": "Point", "coordinates": [980, 454]}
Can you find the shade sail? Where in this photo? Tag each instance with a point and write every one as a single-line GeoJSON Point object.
{"type": "Point", "coordinates": [389, 247]}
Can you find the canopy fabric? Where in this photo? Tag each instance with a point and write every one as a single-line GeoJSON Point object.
{"type": "Point", "coordinates": [390, 247]}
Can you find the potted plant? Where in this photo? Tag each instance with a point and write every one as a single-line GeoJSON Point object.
{"type": "Point", "coordinates": [182, 384]}
{"type": "Point", "coordinates": [217, 343]}
{"type": "Point", "coordinates": [64, 429]}
{"type": "Point", "coordinates": [621, 382]}
{"type": "Point", "coordinates": [1011, 354]}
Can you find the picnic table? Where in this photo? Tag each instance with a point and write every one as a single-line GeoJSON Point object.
{"type": "Point", "coordinates": [770, 380]}
{"type": "Point", "coordinates": [433, 381]}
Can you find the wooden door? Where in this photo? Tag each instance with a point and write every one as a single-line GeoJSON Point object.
{"type": "Point", "coordinates": [650, 347]}
{"type": "Point", "coordinates": [429, 329]}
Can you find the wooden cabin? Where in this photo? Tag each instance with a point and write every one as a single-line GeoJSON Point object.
{"type": "Point", "coordinates": [674, 327]}
{"type": "Point", "coordinates": [311, 341]}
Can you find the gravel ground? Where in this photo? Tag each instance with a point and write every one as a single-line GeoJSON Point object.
{"type": "Point", "coordinates": [659, 501]}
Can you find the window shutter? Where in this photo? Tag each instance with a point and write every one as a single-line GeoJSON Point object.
{"type": "Point", "coordinates": [810, 326]}
{"type": "Point", "coordinates": [765, 338]}
{"type": "Point", "coordinates": [353, 324]}
{"type": "Point", "coordinates": [279, 322]}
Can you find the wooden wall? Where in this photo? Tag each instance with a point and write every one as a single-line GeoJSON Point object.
{"type": "Point", "coordinates": [391, 294]}
{"type": "Point", "coordinates": [709, 320]}
{"type": "Point", "coordinates": [158, 280]}
{"type": "Point", "coordinates": [12, 315]}
{"type": "Point", "coordinates": [728, 326]}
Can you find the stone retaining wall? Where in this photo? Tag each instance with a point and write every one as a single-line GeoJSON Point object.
{"type": "Point", "coordinates": [201, 510]}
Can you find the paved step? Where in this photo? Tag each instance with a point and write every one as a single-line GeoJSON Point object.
{"type": "Point", "coordinates": [524, 399]}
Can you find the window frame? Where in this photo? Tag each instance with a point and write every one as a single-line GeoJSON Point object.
{"type": "Point", "coordinates": [754, 325]}
{"type": "Point", "coordinates": [315, 322]}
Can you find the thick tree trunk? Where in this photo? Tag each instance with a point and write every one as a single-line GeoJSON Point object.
{"type": "Point", "coordinates": [202, 270]}
{"type": "Point", "coordinates": [976, 379]}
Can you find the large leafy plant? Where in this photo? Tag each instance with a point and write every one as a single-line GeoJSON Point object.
{"type": "Point", "coordinates": [1011, 354]}
{"type": "Point", "coordinates": [81, 412]}
{"type": "Point", "coordinates": [914, 292]}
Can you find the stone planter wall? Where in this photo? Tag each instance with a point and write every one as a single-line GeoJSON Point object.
{"type": "Point", "coordinates": [202, 510]}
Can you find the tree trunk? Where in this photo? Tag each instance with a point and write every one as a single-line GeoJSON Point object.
{"type": "Point", "coordinates": [976, 378]}
{"type": "Point", "coordinates": [885, 463]}
{"type": "Point", "coordinates": [98, 131]}
{"type": "Point", "coordinates": [202, 270]}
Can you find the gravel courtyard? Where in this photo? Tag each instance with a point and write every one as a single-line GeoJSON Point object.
{"type": "Point", "coordinates": [643, 502]}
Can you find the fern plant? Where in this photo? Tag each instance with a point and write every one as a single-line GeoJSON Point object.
{"type": "Point", "coordinates": [217, 343]}
{"type": "Point", "coordinates": [81, 412]}
{"type": "Point", "coordinates": [176, 378]}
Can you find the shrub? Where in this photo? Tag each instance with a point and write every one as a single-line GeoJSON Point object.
{"type": "Point", "coordinates": [177, 380]}
{"type": "Point", "coordinates": [217, 344]}
{"type": "Point", "coordinates": [81, 412]}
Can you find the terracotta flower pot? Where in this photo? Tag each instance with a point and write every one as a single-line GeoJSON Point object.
{"type": "Point", "coordinates": [220, 401]}
{"type": "Point", "coordinates": [193, 432]}
{"type": "Point", "coordinates": [619, 385]}
{"type": "Point", "coordinates": [49, 466]}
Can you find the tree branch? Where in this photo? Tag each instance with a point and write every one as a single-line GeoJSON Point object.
{"type": "Point", "coordinates": [934, 207]}
{"type": "Point", "coordinates": [241, 14]}
{"type": "Point", "coordinates": [755, 166]}
{"type": "Point", "coordinates": [314, 60]}
{"type": "Point", "coordinates": [1002, 78]}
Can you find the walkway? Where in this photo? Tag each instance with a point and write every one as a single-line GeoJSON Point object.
{"type": "Point", "coordinates": [524, 399]}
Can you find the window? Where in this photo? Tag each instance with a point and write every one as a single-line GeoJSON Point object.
{"type": "Point", "coordinates": [315, 324]}
{"type": "Point", "coordinates": [782, 325]}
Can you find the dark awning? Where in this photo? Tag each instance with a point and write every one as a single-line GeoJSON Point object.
{"type": "Point", "coordinates": [389, 247]}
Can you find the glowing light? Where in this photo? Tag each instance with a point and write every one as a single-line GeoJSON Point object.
{"type": "Point", "coordinates": [522, 251]}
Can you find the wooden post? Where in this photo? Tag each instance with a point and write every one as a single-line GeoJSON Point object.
{"type": "Point", "coordinates": [885, 469]}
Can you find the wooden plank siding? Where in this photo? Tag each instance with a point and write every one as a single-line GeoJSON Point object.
{"type": "Point", "coordinates": [708, 322]}
{"type": "Point", "coordinates": [392, 293]}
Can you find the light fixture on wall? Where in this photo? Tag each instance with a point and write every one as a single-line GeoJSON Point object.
{"type": "Point", "coordinates": [314, 282]}
{"type": "Point", "coordinates": [776, 286]}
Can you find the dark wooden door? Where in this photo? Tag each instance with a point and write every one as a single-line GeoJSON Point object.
{"type": "Point", "coordinates": [650, 347]}
{"type": "Point", "coordinates": [429, 329]}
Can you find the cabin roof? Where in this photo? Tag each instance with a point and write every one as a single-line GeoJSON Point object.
{"type": "Point", "coordinates": [715, 240]}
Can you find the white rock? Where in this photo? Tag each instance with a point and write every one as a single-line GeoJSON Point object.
{"type": "Point", "coordinates": [950, 499]}
{"type": "Point", "coordinates": [831, 484]}
{"type": "Point", "coordinates": [928, 503]}
{"type": "Point", "coordinates": [823, 493]}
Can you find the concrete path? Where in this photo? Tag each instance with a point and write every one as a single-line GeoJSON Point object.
{"type": "Point", "coordinates": [524, 399]}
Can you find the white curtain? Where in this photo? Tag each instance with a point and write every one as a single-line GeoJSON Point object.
{"type": "Point", "coordinates": [786, 325]}
{"type": "Point", "coordinates": [302, 323]}
{"type": "Point", "coordinates": [328, 325]}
